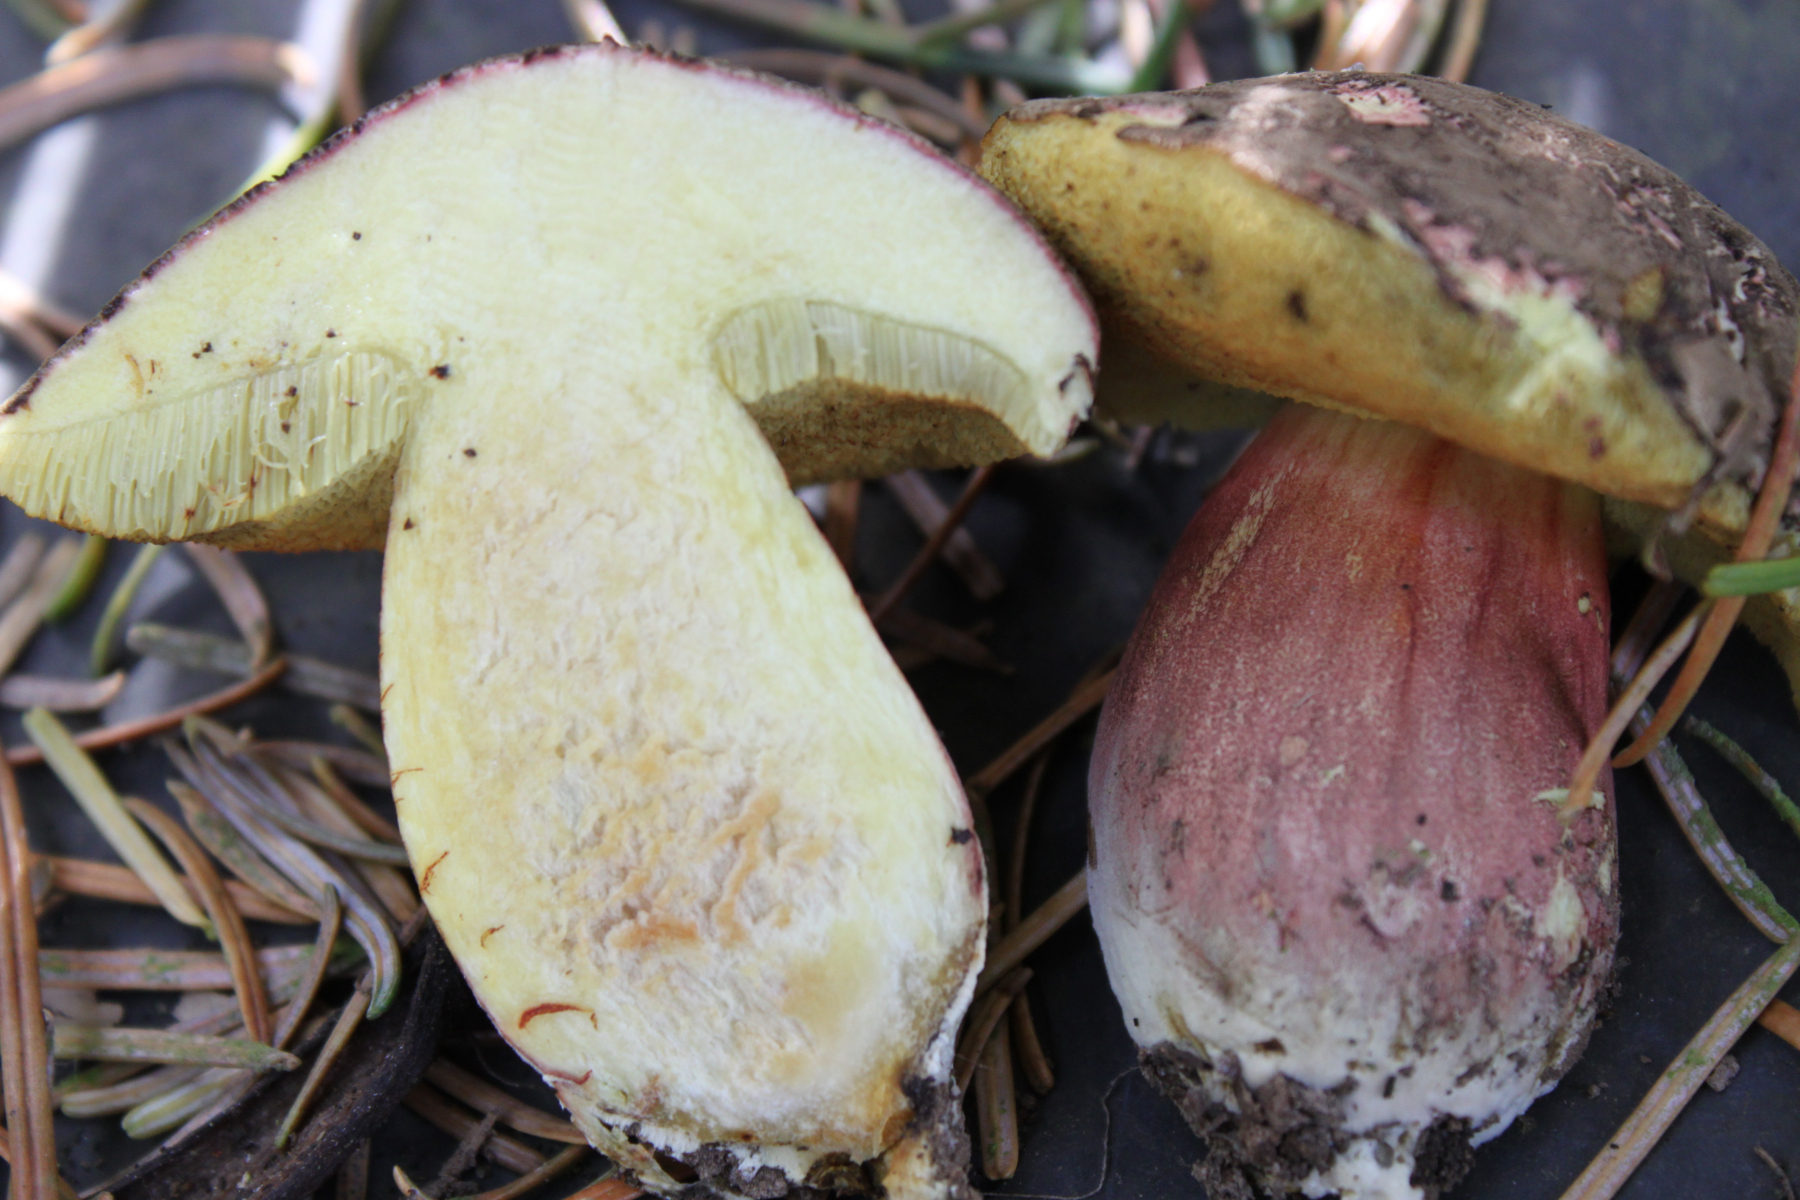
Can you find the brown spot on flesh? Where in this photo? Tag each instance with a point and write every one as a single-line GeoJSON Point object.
{"type": "Point", "coordinates": [649, 929]}
{"type": "Point", "coordinates": [425, 879]}
{"type": "Point", "coordinates": [543, 1010]}
{"type": "Point", "coordinates": [490, 932]}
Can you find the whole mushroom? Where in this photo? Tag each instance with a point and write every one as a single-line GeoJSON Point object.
{"type": "Point", "coordinates": [1352, 917]}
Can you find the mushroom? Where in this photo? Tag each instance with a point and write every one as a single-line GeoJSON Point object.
{"type": "Point", "coordinates": [1354, 916]}
{"type": "Point", "coordinates": [678, 816]}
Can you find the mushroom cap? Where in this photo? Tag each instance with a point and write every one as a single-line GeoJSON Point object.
{"type": "Point", "coordinates": [1429, 252]}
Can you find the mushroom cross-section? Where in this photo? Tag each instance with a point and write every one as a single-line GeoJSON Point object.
{"type": "Point", "coordinates": [677, 814]}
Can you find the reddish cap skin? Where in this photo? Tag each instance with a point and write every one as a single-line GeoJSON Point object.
{"type": "Point", "coordinates": [1319, 765]}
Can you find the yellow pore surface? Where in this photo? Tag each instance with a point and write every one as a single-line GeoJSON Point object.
{"type": "Point", "coordinates": [1234, 279]}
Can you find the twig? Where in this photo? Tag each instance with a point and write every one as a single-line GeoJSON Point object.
{"type": "Point", "coordinates": [961, 554]}
{"type": "Point", "coordinates": [1781, 1176]}
{"type": "Point", "coordinates": [161, 1046]}
{"type": "Point", "coordinates": [352, 1180]}
{"type": "Point", "coordinates": [95, 32]}
{"type": "Point", "coordinates": [843, 504]}
{"type": "Point", "coordinates": [594, 21]}
{"type": "Point", "coordinates": [358, 766]}
{"type": "Point", "coordinates": [349, 1020]}
{"type": "Point", "coordinates": [1759, 531]}
{"type": "Point", "coordinates": [83, 573]}
{"type": "Point", "coordinates": [1015, 866]}
{"type": "Point", "coordinates": [1034, 931]}
{"type": "Point", "coordinates": [486, 1098]}
{"type": "Point", "coordinates": [462, 1159]}
{"type": "Point", "coordinates": [1465, 40]}
{"type": "Point", "coordinates": [1625, 707]}
{"type": "Point", "coordinates": [238, 592]}
{"type": "Point", "coordinates": [1036, 1064]}
{"type": "Point", "coordinates": [60, 695]}
{"type": "Point", "coordinates": [612, 1187]}
{"type": "Point", "coordinates": [431, 1104]}
{"type": "Point", "coordinates": [354, 724]}
{"type": "Point", "coordinates": [997, 1108]}
{"type": "Point", "coordinates": [318, 965]}
{"type": "Point", "coordinates": [1749, 768]}
{"type": "Point", "coordinates": [983, 1020]}
{"type": "Point", "coordinates": [234, 939]}
{"type": "Point", "coordinates": [928, 553]}
{"type": "Point", "coordinates": [162, 722]}
{"type": "Point", "coordinates": [120, 73]}
{"type": "Point", "coordinates": [1030, 1049]}
{"type": "Point", "coordinates": [391, 885]}
{"type": "Point", "coordinates": [49, 19]}
{"type": "Point", "coordinates": [951, 28]}
{"type": "Point", "coordinates": [209, 771]}
{"type": "Point", "coordinates": [26, 1067]}
{"type": "Point", "coordinates": [29, 335]}
{"type": "Point", "coordinates": [104, 808]}
{"type": "Point", "coordinates": [63, 1190]}
{"type": "Point", "coordinates": [371, 821]}
{"type": "Point", "coordinates": [1676, 784]}
{"type": "Point", "coordinates": [822, 68]}
{"type": "Point", "coordinates": [837, 28]}
{"type": "Point", "coordinates": [176, 970]}
{"type": "Point", "coordinates": [22, 617]}
{"type": "Point", "coordinates": [535, 1178]}
{"type": "Point", "coordinates": [1746, 891]}
{"type": "Point", "coordinates": [349, 101]}
{"type": "Point", "coordinates": [100, 651]}
{"type": "Point", "coordinates": [1753, 578]}
{"type": "Point", "coordinates": [19, 565]}
{"type": "Point", "coordinates": [108, 881]}
{"type": "Point", "coordinates": [1783, 1020]}
{"type": "Point", "coordinates": [1086, 697]}
{"type": "Point", "coordinates": [257, 787]}
{"type": "Point", "coordinates": [939, 640]}
{"type": "Point", "coordinates": [1657, 1110]}
{"type": "Point", "coordinates": [113, 1099]}
{"type": "Point", "coordinates": [239, 856]}
{"type": "Point", "coordinates": [24, 304]}
{"type": "Point", "coordinates": [1155, 67]}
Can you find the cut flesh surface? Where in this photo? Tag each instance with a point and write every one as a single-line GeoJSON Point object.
{"type": "Point", "coordinates": [678, 816]}
{"type": "Point", "coordinates": [889, 310]}
{"type": "Point", "coordinates": [1428, 252]}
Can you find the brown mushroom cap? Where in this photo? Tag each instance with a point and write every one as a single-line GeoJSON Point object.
{"type": "Point", "coordinates": [1430, 252]}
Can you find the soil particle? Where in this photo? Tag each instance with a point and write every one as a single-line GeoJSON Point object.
{"type": "Point", "coordinates": [1443, 1156]}
{"type": "Point", "coordinates": [1270, 1138]}
{"type": "Point", "coordinates": [1266, 1141]}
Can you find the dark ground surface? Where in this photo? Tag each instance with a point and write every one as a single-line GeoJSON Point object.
{"type": "Point", "coordinates": [1706, 86]}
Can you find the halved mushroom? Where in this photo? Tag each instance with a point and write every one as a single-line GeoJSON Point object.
{"type": "Point", "coordinates": [678, 816]}
{"type": "Point", "coordinates": [1352, 919]}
